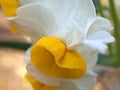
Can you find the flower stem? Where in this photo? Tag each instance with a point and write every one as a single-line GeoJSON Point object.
{"type": "Point", "coordinates": [100, 8]}
{"type": "Point", "coordinates": [114, 16]}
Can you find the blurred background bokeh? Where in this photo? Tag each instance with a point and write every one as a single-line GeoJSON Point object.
{"type": "Point", "coordinates": [14, 45]}
{"type": "Point", "coordinates": [12, 51]}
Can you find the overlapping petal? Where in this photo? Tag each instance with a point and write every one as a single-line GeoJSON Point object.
{"type": "Point", "coordinates": [85, 13]}
{"type": "Point", "coordinates": [101, 36]}
{"type": "Point", "coordinates": [96, 45]}
{"type": "Point", "coordinates": [35, 20]}
{"type": "Point", "coordinates": [98, 24]}
{"type": "Point", "coordinates": [98, 34]}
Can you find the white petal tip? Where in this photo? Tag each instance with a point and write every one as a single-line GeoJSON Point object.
{"type": "Point", "coordinates": [10, 18]}
{"type": "Point", "coordinates": [112, 39]}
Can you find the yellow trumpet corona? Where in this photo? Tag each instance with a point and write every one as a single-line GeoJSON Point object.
{"type": "Point", "coordinates": [50, 56]}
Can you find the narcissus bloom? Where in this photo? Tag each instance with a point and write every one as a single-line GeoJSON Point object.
{"type": "Point", "coordinates": [67, 37]}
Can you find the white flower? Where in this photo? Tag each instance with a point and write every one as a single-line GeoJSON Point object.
{"type": "Point", "coordinates": [75, 23]}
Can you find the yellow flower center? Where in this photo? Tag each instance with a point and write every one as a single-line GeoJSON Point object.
{"type": "Point", "coordinates": [9, 7]}
{"type": "Point", "coordinates": [51, 56]}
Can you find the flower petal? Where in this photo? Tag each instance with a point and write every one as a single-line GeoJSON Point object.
{"type": "Point", "coordinates": [36, 25]}
{"type": "Point", "coordinates": [61, 14]}
{"type": "Point", "coordinates": [96, 45]}
{"type": "Point", "coordinates": [85, 83]}
{"type": "Point", "coordinates": [27, 56]}
{"type": "Point", "coordinates": [89, 54]}
{"type": "Point", "coordinates": [98, 24]}
{"type": "Point", "coordinates": [66, 84]}
{"type": "Point", "coordinates": [101, 36]}
{"type": "Point", "coordinates": [71, 11]}
{"type": "Point", "coordinates": [66, 11]}
{"type": "Point", "coordinates": [63, 10]}
{"type": "Point", "coordinates": [84, 13]}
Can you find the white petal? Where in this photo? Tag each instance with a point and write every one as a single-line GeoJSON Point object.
{"type": "Point", "coordinates": [82, 13]}
{"type": "Point", "coordinates": [66, 84]}
{"type": "Point", "coordinates": [67, 11]}
{"type": "Point", "coordinates": [64, 9]}
{"type": "Point", "coordinates": [100, 24]}
{"type": "Point", "coordinates": [90, 55]}
{"type": "Point", "coordinates": [75, 38]}
{"type": "Point", "coordinates": [35, 20]}
{"type": "Point", "coordinates": [95, 45]}
{"type": "Point", "coordinates": [27, 56]}
{"type": "Point", "coordinates": [41, 77]}
{"type": "Point", "coordinates": [101, 36]}
{"type": "Point", "coordinates": [85, 83]}
{"type": "Point", "coordinates": [85, 12]}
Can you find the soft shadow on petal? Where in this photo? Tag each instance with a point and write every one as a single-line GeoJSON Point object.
{"type": "Point", "coordinates": [85, 83]}
{"type": "Point", "coordinates": [89, 54]}
{"type": "Point", "coordinates": [67, 85]}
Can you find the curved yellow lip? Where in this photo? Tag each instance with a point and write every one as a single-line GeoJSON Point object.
{"type": "Point", "coordinates": [50, 56]}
